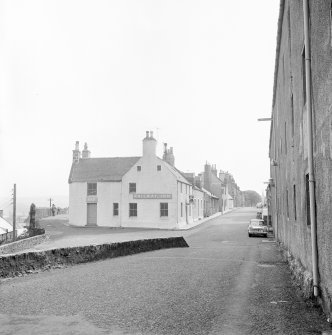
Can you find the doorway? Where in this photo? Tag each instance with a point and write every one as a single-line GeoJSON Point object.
{"type": "Point", "coordinates": [91, 214]}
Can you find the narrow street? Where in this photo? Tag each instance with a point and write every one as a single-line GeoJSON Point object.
{"type": "Point", "coordinates": [224, 283]}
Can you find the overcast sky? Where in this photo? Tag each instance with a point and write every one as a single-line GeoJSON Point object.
{"type": "Point", "coordinates": [197, 72]}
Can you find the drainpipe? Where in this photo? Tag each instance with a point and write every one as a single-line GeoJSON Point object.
{"type": "Point", "coordinates": [310, 148]}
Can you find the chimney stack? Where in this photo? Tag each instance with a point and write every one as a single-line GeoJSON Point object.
{"type": "Point", "coordinates": [86, 153]}
{"type": "Point", "coordinates": [76, 152]}
{"type": "Point", "coordinates": [168, 155]}
{"type": "Point", "coordinates": [149, 145]}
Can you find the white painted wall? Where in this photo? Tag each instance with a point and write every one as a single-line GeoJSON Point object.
{"type": "Point", "coordinates": [77, 204]}
{"type": "Point", "coordinates": [184, 191]}
{"type": "Point", "coordinates": [198, 209]}
{"type": "Point", "coordinates": [149, 181]}
{"type": "Point", "coordinates": [108, 193]}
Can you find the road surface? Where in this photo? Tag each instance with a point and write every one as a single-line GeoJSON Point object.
{"type": "Point", "coordinates": [224, 283]}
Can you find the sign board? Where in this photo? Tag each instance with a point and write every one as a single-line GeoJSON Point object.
{"type": "Point", "coordinates": [91, 199]}
{"type": "Point", "coordinates": [152, 196]}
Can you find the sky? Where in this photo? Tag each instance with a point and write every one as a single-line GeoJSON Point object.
{"type": "Point", "coordinates": [197, 72]}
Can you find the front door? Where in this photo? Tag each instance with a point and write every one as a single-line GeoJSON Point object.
{"type": "Point", "coordinates": [91, 215]}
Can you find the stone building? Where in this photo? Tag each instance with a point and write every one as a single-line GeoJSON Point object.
{"type": "Point", "coordinates": [288, 190]}
{"type": "Point", "coordinates": [212, 183]}
{"type": "Point", "coordinates": [232, 188]}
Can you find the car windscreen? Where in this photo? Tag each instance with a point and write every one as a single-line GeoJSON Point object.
{"type": "Point", "coordinates": [257, 222]}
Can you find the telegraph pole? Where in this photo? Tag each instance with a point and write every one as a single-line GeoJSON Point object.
{"type": "Point", "coordinates": [14, 213]}
{"type": "Point", "coordinates": [50, 199]}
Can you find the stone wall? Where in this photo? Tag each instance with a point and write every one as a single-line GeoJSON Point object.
{"type": "Point", "coordinates": [22, 244]}
{"type": "Point", "coordinates": [289, 139]}
{"type": "Point", "coordinates": [19, 264]}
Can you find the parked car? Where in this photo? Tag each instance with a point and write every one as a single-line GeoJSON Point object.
{"type": "Point", "coordinates": [257, 228]}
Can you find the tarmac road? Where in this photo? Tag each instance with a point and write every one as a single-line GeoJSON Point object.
{"type": "Point", "coordinates": [224, 283]}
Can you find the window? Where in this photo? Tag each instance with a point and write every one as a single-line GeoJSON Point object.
{"type": "Point", "coordinates": [181, 189]}
{"type": "Point", "coordinates": [163, 209]}
{"type": "Point", "coordinates": [139, 168]}
{"type": "Point", "coordinates": [304, 88]}
{"type": "Point", "coordinates": [92, 189]}
{"type": "Point", "coordinates": [132, 187]}
{"type": "Point", "coordinates": [181, 208]}
{"type": "Point", "coordinates": [307, 195]}
{"type": "Point", "coordinates": [294, 201]}
{"type": "Point", "coordinates": [115, 208]}
{"type": "Point", "coordinates": [189, 210]}
{"type": "Point", "coordinates": [158, 167]}
{"type": "Point", "coordinates": [132, 209]}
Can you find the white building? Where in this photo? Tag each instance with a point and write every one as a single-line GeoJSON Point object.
{"type": "Point", "coordinates": [144, 191]}
{"type": "Point", "coordinates": [5, 226]}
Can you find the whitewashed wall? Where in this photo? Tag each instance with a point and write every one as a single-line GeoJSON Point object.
{"type": "Point", "coordinates": [184, 191]}
{"type": "Point", "coordinates": [108, 193]}
{"type": "Point", "coordinates": [149, 181]}
{"type": "Point", "coordinates": [198, 209]}
{"type": "Point", "coordinates": [77, 204]}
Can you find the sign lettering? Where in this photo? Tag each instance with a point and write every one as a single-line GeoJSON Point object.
{"type": "Point", "coordinates": [152, 196]}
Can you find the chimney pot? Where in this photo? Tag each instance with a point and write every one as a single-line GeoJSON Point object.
{"type": "Point", "coordinates": [147, 134]}
{"type": "Point", "coordinates": [151, 133]}
{"type": "Point", "coordinates": [77, 145]}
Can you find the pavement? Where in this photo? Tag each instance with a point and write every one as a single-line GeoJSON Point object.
{"type": "Point", "coordinates": [225, 283]}
{"type": "Point", "coordinates": [62, 235]}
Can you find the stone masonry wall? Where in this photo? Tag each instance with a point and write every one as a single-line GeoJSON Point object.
{"type": "Point", "coordinates": [22, 244]}
{"type": "Point", "coordinates": [22, 263]}
{"type": "Point", "coordinates": [289, 140]}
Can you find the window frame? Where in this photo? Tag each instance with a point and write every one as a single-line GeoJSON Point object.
{"type": "Point", "coordinates": [132, 186]}
{"type": "Point", "coordinates": [115, 209]}
{"type": "Point", "coordinates": [133, 211]}
{"type": "Point", "coordinates": [163, 211]}
{"type": "Point", "coordinates": [91, 191]}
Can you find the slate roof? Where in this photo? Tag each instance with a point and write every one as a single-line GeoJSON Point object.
{"type": "Point", "coordinates": [178, 174]}
{"type": "Point", "coordinates": [4, 224]}
{"type": "Point", "coordinates": [101, 169]}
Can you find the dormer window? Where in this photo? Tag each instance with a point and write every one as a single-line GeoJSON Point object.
{"type": "Point", "coordinates": [158, 167]}
{"type": "Point", "coordinates": [139, 168]}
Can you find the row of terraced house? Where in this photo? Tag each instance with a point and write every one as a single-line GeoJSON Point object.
{"type": "Point", "coordinates": [145, 191]}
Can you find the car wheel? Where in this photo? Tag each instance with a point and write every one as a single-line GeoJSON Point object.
{"type": "Point", "coordinates": [249, 234]}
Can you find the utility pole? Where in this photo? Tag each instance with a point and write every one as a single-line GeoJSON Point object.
{"type": "Point", "coordinates": [14, 213]}
{"type": "Point", "coordinates": [50, 199]}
